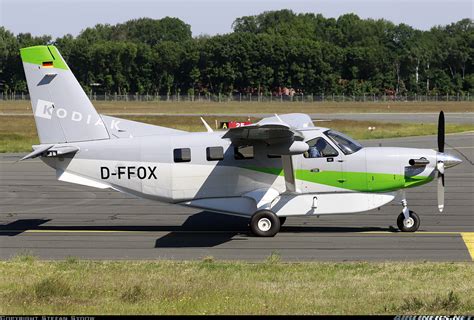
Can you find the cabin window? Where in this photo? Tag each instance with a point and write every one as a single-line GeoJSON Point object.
{"type": "Point", "coordinates": [214, 153]}
{"type": "Point", "coordinates": [243, 152]}
{"type": "Point", "coordinates": [182, 155]}
{"type": "Point", "coordinates": [319, 148]}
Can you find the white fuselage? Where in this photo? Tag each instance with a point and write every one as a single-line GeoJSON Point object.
{"type": "Point", "coordinates": [145, 167]}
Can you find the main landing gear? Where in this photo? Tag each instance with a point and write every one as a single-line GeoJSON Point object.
{"type": "Point", "coordinates": [265, 223]}
{"type": "Point", "coordinates": [407, 221]}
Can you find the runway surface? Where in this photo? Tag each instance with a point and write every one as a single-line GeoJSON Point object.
{"type": "Point", "coordinates": [54, 220]}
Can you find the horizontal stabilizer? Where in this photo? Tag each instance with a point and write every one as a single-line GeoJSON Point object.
{"type": "Point", "coordinates": [50, 150]}
{"type": "Point", "coordinates": [38, 151]}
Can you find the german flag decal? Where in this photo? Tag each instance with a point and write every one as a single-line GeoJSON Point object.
{"type": "Point", "coordinates": [47, 64]}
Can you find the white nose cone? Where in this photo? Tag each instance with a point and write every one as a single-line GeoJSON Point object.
{"type": "Point", "coordinates": [449, 160]}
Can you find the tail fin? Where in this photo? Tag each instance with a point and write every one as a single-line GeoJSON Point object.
{"type": "Point", "coordinates": [62, 110]}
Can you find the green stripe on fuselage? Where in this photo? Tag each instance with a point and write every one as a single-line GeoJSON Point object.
{"type": "Point", "coordinates": [356, 181]}
{"type": "Point", "coordinates": [414, 181]}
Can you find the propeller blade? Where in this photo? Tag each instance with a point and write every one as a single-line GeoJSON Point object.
{"type": "Point", "coordinates": [441, 131]}
{"type": "Point", "coordinates": [440, 192]}
{"type": "Point", "coordinates": [440, 167]}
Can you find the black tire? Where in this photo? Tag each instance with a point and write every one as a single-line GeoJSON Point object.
{"type": "Point", "coordinates": [412, 228]}
{"type": "Point", "coordinates": [282, 220]}
{"type": "Point", "coordinates": [264, 223]}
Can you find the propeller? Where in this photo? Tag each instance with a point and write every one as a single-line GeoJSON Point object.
{"type": "Point", "coordinates": [440, 164]}
{"type": "Point", "coordinates": [441, 132]}
{"type": "Point", "coordinates": [440, 167]}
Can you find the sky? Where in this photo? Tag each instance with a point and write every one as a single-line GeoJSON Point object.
{"type": "Point", "coordinates": [57, 18]}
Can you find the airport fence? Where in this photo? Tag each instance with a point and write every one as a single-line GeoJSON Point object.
{"type": "Point", "coordinates": [259, 97]}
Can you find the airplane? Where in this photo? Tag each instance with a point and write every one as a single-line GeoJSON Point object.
{"type": "Point", "coordinates": [281, 166]}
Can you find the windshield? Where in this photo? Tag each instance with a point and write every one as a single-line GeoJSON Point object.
{"type": "Point", "coordinates": [346, 144]}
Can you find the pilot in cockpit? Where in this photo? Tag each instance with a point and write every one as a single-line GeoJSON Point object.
{"type": "Point", "coordinates": [316, 151]}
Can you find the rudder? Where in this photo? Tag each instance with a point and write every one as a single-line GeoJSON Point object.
{"type": "Point", "coordinates": [61, 108]}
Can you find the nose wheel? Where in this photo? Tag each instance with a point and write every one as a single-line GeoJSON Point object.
{"type": "Point", "coordinates": [407, 221]}
{"type": "Point", "coordinates": [410, 224]}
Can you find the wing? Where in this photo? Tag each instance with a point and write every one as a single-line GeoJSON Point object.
{"type": "Point", "coordinates": [277, 130]}
{"type": "Point", "coordinates": [283, 137]}
{"type": "Point", "coordinates": [294, 120]}
{"type": "Point", "coordinates": [270, 133]}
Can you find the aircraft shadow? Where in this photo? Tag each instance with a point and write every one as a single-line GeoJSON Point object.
{"type": "Point", "coordinates": [204, 229]}
{"type": "Point", "coordinates": [207, 229]}
{"type": "Point", "coordinates": [19, 226]}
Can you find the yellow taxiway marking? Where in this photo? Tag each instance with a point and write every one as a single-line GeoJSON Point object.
{"type": "Point", "coordinates": [468, 238]}
{"type": "Point", "coordinates": [470, 235]}
{"type": "Point", "coordinates": [412, 233]}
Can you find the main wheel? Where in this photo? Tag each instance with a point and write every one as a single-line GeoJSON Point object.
{"type": "Point", "coordinates": [264, 223]}
{"type": "Point", "coordinates": [282, 220]}
{"type": "Point", "coordinates": [408, 225]}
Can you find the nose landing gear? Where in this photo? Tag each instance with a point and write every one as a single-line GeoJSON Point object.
{"type": "Point", "coordinates": [407, 221]}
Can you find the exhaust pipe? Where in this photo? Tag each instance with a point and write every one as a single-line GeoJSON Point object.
{"type": "Point", "coordinates": [422, 162]}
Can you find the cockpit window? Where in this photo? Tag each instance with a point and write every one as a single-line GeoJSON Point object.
{"type": "Point", "coordinates": [346, 144]}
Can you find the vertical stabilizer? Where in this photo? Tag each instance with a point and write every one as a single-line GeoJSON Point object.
{"type": "Point", "coordinates": [62, 110]}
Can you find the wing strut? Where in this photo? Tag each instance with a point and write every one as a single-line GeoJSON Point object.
{"type": "Point", "coordinates": [289, 172]}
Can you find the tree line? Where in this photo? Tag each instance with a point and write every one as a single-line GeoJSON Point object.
{"type": "Point", "coordinates": [306, 52]}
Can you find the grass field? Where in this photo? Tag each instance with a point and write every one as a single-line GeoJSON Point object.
{"type": "Point", "coordinates": [114, 107]}
{"type": "Point", "coordinates": [210, 287]}
{"type": "Point", "coordinates": [18, 133]}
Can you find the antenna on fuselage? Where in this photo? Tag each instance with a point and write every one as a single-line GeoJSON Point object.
{"type": "Point", "coordinates": [209, 129]}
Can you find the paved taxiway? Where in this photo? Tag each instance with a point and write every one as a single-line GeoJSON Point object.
{"type": "Point", "coordinates": [427, 117]}
{"type": "Point", "coordinates": [53, 219]}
